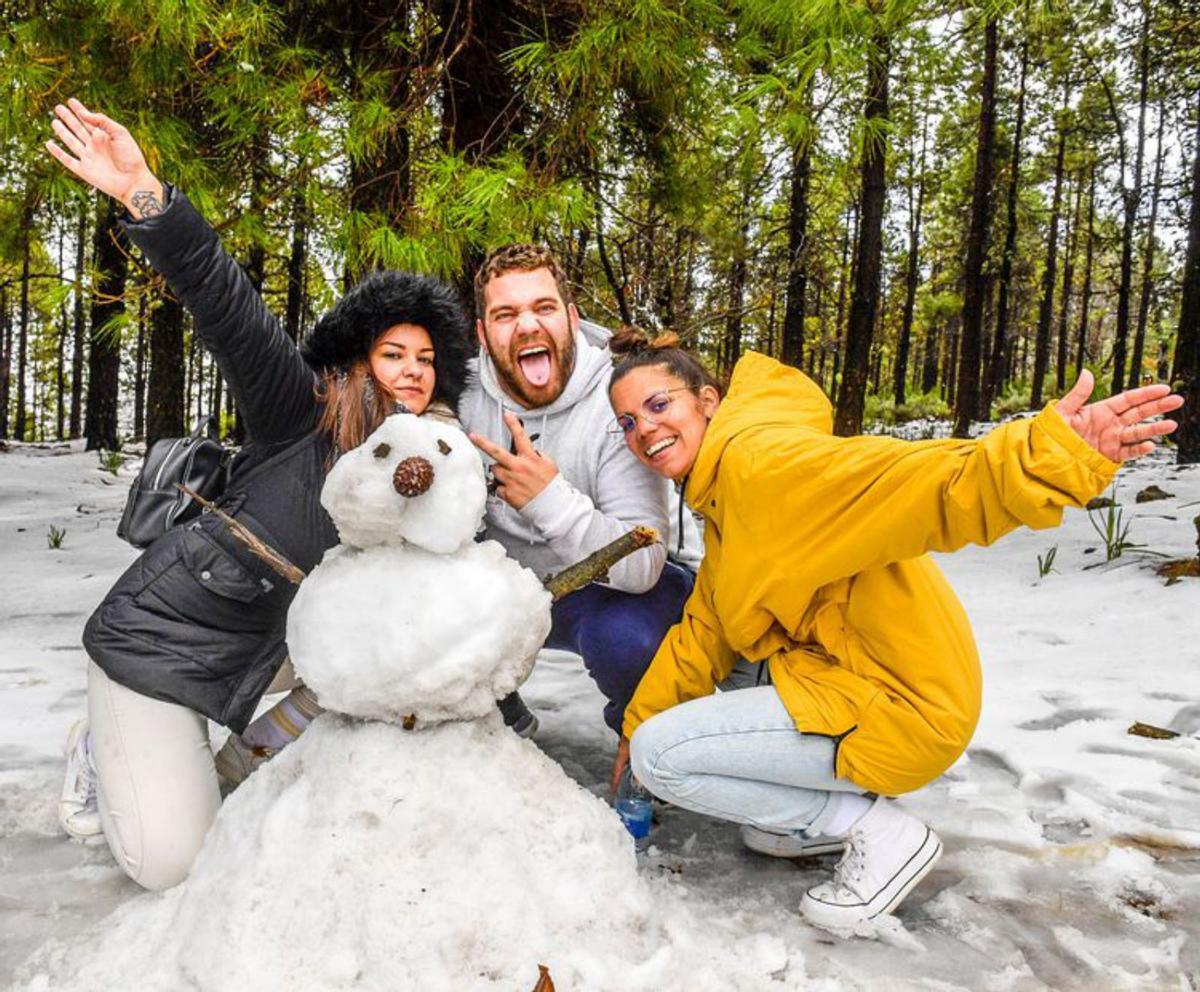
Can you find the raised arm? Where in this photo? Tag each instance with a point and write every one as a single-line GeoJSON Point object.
{"type": "Point", "coordinates": [269, 380]}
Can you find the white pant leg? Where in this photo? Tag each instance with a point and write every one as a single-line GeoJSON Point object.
{"type": "Point", "coordinates": [157, 783]}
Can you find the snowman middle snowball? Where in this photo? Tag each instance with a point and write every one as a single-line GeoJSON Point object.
{"type": "Point", "coordinates": [409, 616]}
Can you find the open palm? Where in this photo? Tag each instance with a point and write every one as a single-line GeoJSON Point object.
{"type": "Point", "coordinates": [1119, 427]}
{"type": "Point", "coordinates": [98, 150]}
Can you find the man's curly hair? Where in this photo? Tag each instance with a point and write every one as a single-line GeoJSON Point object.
{"type": "Point", "coordinates": [346, 333]}
{"type": "Point", "coordinates": [518, 258]}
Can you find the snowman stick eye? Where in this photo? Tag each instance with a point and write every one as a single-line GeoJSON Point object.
{"type": "Point", "coordinates": [443, 447]}
{"type": "Point", "coordinates": [382, 450]}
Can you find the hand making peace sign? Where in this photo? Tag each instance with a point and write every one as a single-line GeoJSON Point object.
{"type": "Point", "coordinates": [1116, 427]}
{"type": "Point", "coordinates": [521, 473]}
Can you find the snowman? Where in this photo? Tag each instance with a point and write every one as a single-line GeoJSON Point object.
{"type": "Point", "coordinates": [408, 840]}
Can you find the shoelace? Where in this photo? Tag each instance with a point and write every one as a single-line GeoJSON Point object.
{"type": "Point", "coordinates": [849, 870]}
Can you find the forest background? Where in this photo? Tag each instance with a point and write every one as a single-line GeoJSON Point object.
{"type": "Point", "coordinates": [934, 209]}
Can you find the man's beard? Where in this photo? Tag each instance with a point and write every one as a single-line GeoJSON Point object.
{"type": "Point", "coordinates": [513, 379]}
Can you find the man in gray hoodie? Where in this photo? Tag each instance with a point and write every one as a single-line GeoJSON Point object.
{"type": "Point", "coordinates": [564, 482]}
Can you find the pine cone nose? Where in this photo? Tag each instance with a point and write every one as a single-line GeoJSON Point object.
{"type": "Point", "coordinates": [413, 476]}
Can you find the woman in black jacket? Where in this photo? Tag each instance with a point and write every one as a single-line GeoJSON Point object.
{"type": "Point", "coordinates": [194, 629]}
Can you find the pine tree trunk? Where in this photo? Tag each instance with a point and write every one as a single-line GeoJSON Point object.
{"type": "Point", "coordinates": [164, 390]}
{"type": "Point", "coordinates": [966, 407]}
{"type": "Point", "coordinates": [76, 420]}
{"type": "Point", "coordinates": [381, 177]}
{"type": "Point", "coordinates": [737, 294]}
{"type": "Point", "coordinates": [864, 302]}
{"type": "Point", "coordinates": [60, 372]}
{"type": "Point", "coordinates": [1143, 311]}
{"type": "Point", "coordinates": [1064, 312]}
{"type": "Point", "coordinates": [23, 333]}
{"type": "Point", "coordinates": [911, 270]}
{"type": "Point", "coordinates": [139, 373]}
{"type": "Point", "coordinates": [1041, 349]}
{"type": "Point", "coordinates": [297, 260]}
{"type": "Point", "coordinates": [995, 367]}
{"type": "Point", "coordinates": [104, 360]}
{"type": "Point", "coordinates": [1132, 199]}
{"type": "Point", "coordinates": [1186, 372]}
{"type": "Point", "coordinates": [797, 276]}
{"type": "Point", "coordinates": [1085, 296]}
{"type": "Point", "coordinates": [5, 361]}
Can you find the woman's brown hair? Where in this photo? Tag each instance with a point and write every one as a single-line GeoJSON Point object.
{"type": "Point", "coordinates": [634, 349]}
{"type": "Point", "coordinates": [354, 406]}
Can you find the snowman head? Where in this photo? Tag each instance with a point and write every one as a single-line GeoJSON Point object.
{"type": "Point", "coordinates": [414, 481]}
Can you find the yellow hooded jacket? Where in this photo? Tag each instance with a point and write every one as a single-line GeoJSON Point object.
{"type": "Point", "coordinates": [815, 563]}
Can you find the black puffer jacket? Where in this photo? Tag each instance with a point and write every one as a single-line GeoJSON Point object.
{"type": "Point", "coordinates": [197, 620]}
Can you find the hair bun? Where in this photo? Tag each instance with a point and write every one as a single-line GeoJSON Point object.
{"type": "Point", "coordinates": [629, 340]}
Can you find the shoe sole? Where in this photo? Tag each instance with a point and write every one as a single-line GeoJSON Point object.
{"type": "Point", "coordinates": [807, 851]}
{"type": "Point", "coordinates": [918, 866]}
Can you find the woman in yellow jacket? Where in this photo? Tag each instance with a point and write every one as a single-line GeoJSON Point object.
{"type": "Point", "coordinates": [816, 567]}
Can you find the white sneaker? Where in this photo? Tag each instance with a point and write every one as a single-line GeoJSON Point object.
{"type": "Point", "coordinates": [778, 845]}
{"type": "Point", "coordinates": [887, 853]}
{"type": "Point", "coordinates": [79, 805]}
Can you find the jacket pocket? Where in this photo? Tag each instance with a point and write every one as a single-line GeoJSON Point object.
{"type": "Point", "coordinates": [216, 570]}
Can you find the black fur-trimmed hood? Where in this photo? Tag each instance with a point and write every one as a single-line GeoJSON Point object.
{"type": "Point", "coordinates": [382, 300]}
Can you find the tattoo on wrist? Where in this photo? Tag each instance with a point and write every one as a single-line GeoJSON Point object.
{"type": "Point", "coordinates": [146, 203]}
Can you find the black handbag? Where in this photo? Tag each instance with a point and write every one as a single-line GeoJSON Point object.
{"type": "Point", "coordinates": [156, 504]}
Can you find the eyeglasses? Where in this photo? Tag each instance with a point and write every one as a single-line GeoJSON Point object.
{"type": "Point", "coordinates": [653, 407]}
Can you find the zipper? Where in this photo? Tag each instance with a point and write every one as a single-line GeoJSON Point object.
{"type": "Point", "coordinates": [166, 460]}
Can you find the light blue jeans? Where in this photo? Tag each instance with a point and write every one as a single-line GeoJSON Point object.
{"type": "Point", "coordinates": [738, 756]}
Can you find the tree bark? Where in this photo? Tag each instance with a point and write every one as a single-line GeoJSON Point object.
{"type": "Point", "coordinates": [1143, 311]}
{"type": "Point", "coordinates": [966, 407]}
{"type": "Point", "coordinates": [76, 418]}
{"type": "Point", "coordinates": [104, 360]}
{"type": "Point", "coordinates": [1064, 312]}
{"type": "Point", "coordinates": [5, 361]}
{"type": "Point", "coordinates": [381, 180]}
{"type": "Point", "coordinates": [1186, 372]}
{"type": "Point", "coordinates": [1085, 296]}
{"type": "Point", "coordinates": [911, 269]}
{"type": "Point", "coordinates": [797, 275]}
{"type": "Point", "coordinates": [1041, 348]}
{"type": "Point", "coordinates": [999, 351]}
{"type": "Point", "coordinates": [1132, 199]}
{"type": "Point", "coordinates": [23, 332]}
{"type": "Point", "coordinates": [864, 302]}
{"type": "Point", "coordinates": [297, 260]}
{"type": "Point", "coordinates": [139, 373]}
{"type": "Point", "coordinates": [164, 392]}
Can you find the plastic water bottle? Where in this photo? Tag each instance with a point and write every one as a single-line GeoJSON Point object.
{"type": "Point", "coordinates": [635, 810]}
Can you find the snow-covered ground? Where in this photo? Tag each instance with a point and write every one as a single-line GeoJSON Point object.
{"type": "Point", "coordinates": [1072, 848]}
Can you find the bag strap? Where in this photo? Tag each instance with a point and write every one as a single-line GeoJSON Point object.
{"type": "Point", "coordinates": [205, 423]}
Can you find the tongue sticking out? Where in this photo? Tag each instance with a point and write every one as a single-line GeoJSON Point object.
{"type": "Point", "coordinates": [536, 368]}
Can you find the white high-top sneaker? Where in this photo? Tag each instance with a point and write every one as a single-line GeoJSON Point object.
{"type": "Point", "coordinates": [887, 853]}
{"type": "Point", "coordinates": [780, 845]}
{"type": "Point", "coordinates": [79, 804]}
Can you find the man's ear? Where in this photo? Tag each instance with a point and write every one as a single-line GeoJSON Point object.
{"type": "Point", "coordinates": [573, 317]}
{"type": "Point", "coordinates": [480, 333]}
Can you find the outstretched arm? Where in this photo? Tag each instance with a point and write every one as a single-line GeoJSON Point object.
{"type": "Point", "coordinates": [1119, 427]}
{"type": "Point", "coordinates": [268, 378]}
{"type": "Point", "coordinates": [103, 154]}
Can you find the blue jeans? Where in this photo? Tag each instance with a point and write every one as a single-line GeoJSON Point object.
{"type": "Point", "coordinates": [617, 633]}
{"type": "Point", "coordinates": [738, 756]}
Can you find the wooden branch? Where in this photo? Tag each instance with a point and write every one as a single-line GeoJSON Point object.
{"type": "Point", "coordinates": [260, 549]}
{"type": "Point", "coordinates": [596, 565]}
{"type": "Point", "coordinates": [545, 983]}
{"type": "Point", "coordinates": [1149, 730]}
